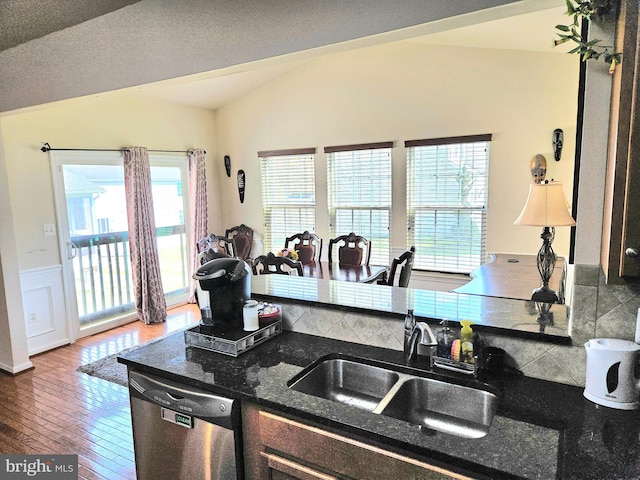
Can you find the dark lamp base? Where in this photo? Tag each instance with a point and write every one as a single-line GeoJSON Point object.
{"type": "Point", "coordinates": [544, 294]}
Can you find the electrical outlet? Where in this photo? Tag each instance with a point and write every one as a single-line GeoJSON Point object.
{"type": "Point", "coordinates": [33, 317]}
{"type": "Point", "coordinates": [49, 230]}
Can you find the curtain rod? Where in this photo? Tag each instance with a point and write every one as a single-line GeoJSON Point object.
{"type": "Point", "coordinates": [47, 148]}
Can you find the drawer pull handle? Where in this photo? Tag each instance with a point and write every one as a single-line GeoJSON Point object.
{"type": "Point", "coordinates": [283, 465]}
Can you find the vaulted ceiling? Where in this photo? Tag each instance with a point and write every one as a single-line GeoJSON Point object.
{"type": "Point", "coordinates": [206, 52]}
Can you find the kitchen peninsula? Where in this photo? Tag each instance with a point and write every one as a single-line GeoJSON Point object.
{"type": "Point", "coordinates": [514, 318]}
{"type": "Point", "coordinates": [541, 429]}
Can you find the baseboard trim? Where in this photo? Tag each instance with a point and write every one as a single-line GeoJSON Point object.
{"type": "Point", "coordinates": [49, 346]}
{"type": "Point", "coordinates": [17, 369]}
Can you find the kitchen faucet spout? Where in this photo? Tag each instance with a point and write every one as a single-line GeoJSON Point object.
{"type": "Point", "coordinates": [421, 333]}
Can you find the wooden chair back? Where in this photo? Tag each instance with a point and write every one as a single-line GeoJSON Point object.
{"type": "Point", "coordinates": [243, 236]}
{"type": "Point", "coordinates": [308, 245]}
{"type": "Point", "coordinates": [405, 262]}
{"type": "Point", "coordinates": [270, 263]}
{"type": "Point", "coordinates": [352, 249]}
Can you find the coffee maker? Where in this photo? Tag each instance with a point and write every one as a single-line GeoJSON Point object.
{"type": "Point", "coordinates": [225, 285]}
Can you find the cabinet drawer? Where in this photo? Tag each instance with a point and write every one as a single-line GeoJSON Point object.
{"type": "Point", "coordinates": [342, 456]}
{"type": "Point", "coordinates": [285, 469]}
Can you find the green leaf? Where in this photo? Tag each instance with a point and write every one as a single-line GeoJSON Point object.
{"type": "Point", "coordinates": [563, 28]}
{"type": "Point", "coordinates": [570, 9]}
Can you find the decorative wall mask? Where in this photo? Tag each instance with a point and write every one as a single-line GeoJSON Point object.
{"type": "Point", "coordinates": [227, 165]}
{"type": "Point", "coordinates": [241, 180]}
{"type": "Point", "coordinates": [558, 136]}
{"type": "Point", "coordinates": [538, 168]}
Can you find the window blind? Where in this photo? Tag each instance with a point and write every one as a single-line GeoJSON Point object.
{"type": "Point", "coordinates": [288, 196]}
{"type": "Point", "coordinates": [359, 196]}
{"type": "Point", "coordinates": [446, 203]}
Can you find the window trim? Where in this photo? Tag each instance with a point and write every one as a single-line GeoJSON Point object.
{"type": "Point", "coordinates": [411, 210]}
{"type": "Point", "coordinates": [358, 146]}
{"type": "Point", "coordinates": [287, 152]}
{"type": "Point", "coordinates": [333, 207]}
{"type": "Point", "coordinates": [428, 142]}
{"type": "Point", "coordinates": [264, 155]}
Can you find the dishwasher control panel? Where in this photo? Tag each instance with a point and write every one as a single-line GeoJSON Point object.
{"type": "Point", "coordinates": [187, 402]}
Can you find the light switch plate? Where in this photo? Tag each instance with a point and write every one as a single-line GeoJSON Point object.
{"type": "Point", "coordinates": [49, 230]}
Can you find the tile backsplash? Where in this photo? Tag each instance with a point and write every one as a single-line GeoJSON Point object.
{"type": "Point", "coordinates": [598, 310]}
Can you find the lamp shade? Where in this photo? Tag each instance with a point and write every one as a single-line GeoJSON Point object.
{"type": "Point", "coordinates": [546, 207]}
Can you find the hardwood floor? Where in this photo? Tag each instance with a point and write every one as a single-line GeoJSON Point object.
{"type": "Point", "coordinates": [53, 409]}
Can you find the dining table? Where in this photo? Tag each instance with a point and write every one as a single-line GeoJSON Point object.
{"type": "Point", "coordinates": [344, 272]}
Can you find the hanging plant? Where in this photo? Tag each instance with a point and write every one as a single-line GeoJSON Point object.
{"type": "Point", "coordinates": [585, 11]}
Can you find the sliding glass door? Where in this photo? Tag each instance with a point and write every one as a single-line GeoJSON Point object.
{"type": "Point", "coordinates": [92, 213]}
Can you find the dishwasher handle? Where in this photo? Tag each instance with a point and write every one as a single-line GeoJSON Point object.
{"type": "Point", "coordinates": [184, 399]}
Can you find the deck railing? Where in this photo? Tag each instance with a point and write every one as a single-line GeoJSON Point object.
{"type": "Point", "coordinates": [103, 270]}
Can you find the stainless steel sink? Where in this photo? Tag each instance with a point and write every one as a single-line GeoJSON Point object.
{"type": "Point", "coordinates": [349, 382]}
{"type": "Point", "coordinates": [447, 404]}
{"type": "Point", "coordinates": [443, 406]}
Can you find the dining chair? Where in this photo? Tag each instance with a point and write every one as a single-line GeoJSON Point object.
{"type": "Point", "coordinates": [405, 262]}
{"type": "Point", "coordinates": [270, 263]}
{"type": "Point", "coordinates": [308, 245]}
{"type": "Point", "coordinates": [214, 245]}
{"type": "Point", "coordinates": [243, 236]}
{"type": "Point", "coordinates": [352, 249]}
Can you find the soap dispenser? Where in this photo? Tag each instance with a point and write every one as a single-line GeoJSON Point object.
{"type": "Point", "coordinates": [445, 338]}
{"type": "Point", "coordinates": [409, 325]}
{"type": "Point", "coordinates": [466, 341]}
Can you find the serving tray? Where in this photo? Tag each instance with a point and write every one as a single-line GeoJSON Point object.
{"type": "Point", "coordinates": [233, 342]}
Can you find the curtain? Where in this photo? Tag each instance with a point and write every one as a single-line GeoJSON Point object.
{"type": "Point", "coordinates": [198, 213]}
{"type": "Point", "coordinates": [149, 294]}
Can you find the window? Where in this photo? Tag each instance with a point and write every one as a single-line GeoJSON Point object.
{"type": "Point", "coordinates": [446, 202]}
{"type": "Point", "coordinates": [359, 194]}
{"type": "Point", "coordinates": [288, 194]}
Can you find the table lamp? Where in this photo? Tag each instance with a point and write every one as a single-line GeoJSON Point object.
{"type": "Point", "coordinates": [546, 207]}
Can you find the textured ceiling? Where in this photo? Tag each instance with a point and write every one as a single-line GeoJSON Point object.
{"type": "Point", "coordinates": [532, 31]}
{"type": "Point", "coordinates": [52, 50]}
{"type": "Point", "coordinates": [25, 20]}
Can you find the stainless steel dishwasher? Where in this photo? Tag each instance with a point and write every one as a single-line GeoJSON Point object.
{"type": "Point", "coordinates": [180, 432]}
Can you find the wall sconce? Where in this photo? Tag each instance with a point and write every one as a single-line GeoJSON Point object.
{"type": "Point", "coordinates": [546, 207]}
{"type": "Point", "coordinates": [558, 137]}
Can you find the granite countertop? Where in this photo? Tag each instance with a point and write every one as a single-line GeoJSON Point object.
{"type": "Point", "coordinates": [541, 430]}
{"type": "Point", "coordinates": [515, 318]}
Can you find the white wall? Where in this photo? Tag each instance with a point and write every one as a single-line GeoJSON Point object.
{"type": "Point", "coordinates": [13, 333]}
{"type": "Point", "coordinates": [405, 91]}
{"type": "Point", "coordinates": [108, 121]}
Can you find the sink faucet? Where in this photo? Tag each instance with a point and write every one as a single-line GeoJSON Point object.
{"type": "Point", "coordinates": [423, 331]}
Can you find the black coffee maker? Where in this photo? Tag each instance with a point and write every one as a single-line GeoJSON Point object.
{"type": "Point", "coordinates": [227, 282]}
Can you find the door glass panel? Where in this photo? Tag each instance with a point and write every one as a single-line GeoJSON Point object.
{"type": "Point", "coordinates": [168, 206]}
{"type": "Point", "coordinates": [97, 216]}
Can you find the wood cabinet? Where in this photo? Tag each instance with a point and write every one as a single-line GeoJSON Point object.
{"type": "Point", "coordinates": [622, 199]}
{"type": "Point", "coordinates": [280, 448]}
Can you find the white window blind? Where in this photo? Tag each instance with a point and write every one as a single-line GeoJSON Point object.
{"type": "Point", "coordinates": [288, 194]}
{"type": "Point", "coordinates": [447, 182]}
{"type": "Point", "coordinates": [359, 194]}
